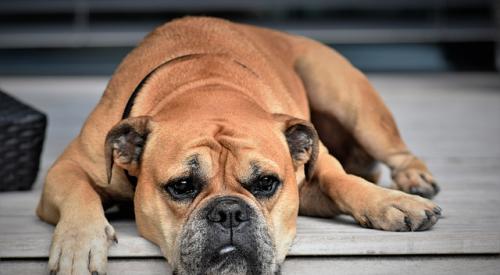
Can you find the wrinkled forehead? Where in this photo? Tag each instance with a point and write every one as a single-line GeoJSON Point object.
{"type": "Point", "coordinates": [211, 148]}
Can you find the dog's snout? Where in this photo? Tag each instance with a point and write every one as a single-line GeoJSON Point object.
{"type": "Point", "coordinates": [228, 212]}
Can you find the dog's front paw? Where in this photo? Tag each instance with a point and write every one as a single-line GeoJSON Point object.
{"type": "Point", "coordinates": [413, 177]}
{"type": "Point", "coordinates": [80, 248]}
{"type": "Point", "coordinates": [397, 211]}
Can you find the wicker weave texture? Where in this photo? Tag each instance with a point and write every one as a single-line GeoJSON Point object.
{"type": "Point", "coordinates": [22, 132]}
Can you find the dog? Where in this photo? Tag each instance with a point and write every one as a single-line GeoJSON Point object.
{"type": "Point", "coordinates": [222, 134]}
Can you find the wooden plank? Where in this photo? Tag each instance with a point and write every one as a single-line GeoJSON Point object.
{"type": "Point", "coordinates": [449, 120]}
{"type": "Point", "coordinates": [314, 237]}
{"type": "Point", "coordinates": [294, 265]}
{"type": "Point", "coordinates": [439, 115]}
{"type": "Point", "coordinates": [393, 265]}
{"type": "Point", "coordinates": [470, 225]}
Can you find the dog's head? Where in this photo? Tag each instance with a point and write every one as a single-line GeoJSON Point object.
{"type": "Point", "coordinates": [217, 181]}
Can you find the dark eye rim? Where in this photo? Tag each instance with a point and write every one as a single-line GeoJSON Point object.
{"type": "Point", "coordinates": [254, 187]}
{"type": "Point", "coordinates": [169, 188]}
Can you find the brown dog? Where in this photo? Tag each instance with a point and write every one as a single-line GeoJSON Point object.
{"type": "Point", "coordinates": [205, 126]}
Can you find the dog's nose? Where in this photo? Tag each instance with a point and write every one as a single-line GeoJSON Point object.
{"type": "Point", "coordinates": [228, 212]}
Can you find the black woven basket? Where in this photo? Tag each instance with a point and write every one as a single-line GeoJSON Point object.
{"type": "Point", "coordinates": [22, 131]}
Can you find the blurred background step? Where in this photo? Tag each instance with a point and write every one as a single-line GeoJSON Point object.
{"type": "Point", "coordinates": [91, 36]}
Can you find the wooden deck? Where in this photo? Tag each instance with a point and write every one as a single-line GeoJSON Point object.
{"type": "Point", "coordinates": [451, 120]}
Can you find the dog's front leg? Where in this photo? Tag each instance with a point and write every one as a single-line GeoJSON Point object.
{"type": "Point", "coordinates": [371, 205]}
{"type": "Point", "coordinates": [82, 234]}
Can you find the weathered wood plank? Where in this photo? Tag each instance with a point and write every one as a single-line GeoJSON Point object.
{"type": "Point", "coordinates": [441, 115]}
{"type": "Point", "coordinates": [324, 265]}
{"type": "Point", "coordinates": [470, 225]}
{"type": "Point", "coordinates": [449, 120]}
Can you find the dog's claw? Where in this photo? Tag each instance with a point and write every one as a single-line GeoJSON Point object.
{"type": "Point", "coordinates": [53, 272]}
{"type": "Point", "coordinates": [437, 210]}
{"type": "Point", "coordinates": [430, 218]}
{"type": "Point", "coordinates": [422, 191]}
{"type": "Point", "coordinates": [428, 214]}
{"type": "Point", "coordinates": [408, 223]}
{"type": "Point", "coordinates": [435, 186]}
{"type": "Point", "coordinates": [110, 232]}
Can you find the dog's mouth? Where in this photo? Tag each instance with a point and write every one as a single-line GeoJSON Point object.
{"type": "Point", "coordinates": [227, 258]}
{"type": "Point", "coordinates": [227, 250]}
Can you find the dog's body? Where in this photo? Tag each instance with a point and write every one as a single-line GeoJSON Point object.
{"type": "Point", "coordinates": [211, 118]}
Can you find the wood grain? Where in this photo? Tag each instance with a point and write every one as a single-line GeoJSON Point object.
{"type": "Point", "coordinates": [325, 265]}
{"type": "Point", "coordinates": [450, 120]}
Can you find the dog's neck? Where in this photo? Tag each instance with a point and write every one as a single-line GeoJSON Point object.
{"type": "Point", "coordinates": [195, 72]}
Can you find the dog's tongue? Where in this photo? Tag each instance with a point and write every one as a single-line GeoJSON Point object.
{"type": "Point", "coordinates": [226, 249]}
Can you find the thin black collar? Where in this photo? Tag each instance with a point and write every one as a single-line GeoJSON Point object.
{"type": "Point", "coordinates": [138, 88]}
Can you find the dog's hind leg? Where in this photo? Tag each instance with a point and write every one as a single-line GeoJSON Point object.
{"type": "Point", "coordinates": [332, 191]}
{"type": "Point", "coordinates": [340, 93]}
{"type": "Point", "coordinates": [345, 148]}
{"type": "Point", "coordinates": [82, 234]}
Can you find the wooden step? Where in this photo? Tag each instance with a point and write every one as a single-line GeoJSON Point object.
{"type": "Point", "coordinates": [450, 120]}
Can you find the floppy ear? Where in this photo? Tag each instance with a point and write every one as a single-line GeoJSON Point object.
{"type": "Point", "coordinates": [124, 144]}
{"type": "Point", "coordinates": [303, 142]}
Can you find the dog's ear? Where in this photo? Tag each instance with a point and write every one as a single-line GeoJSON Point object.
{"type": "Point", "coordinates": [124, 144]}
{"type": "Point", "coordinates": [302, 140]}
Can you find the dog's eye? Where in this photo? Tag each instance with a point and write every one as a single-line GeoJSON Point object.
{"type": "Point", "coordinates": [265, 186]}
{"type": "Point", "coordinates": [183, 188]}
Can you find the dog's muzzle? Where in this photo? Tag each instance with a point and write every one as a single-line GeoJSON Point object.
{"type": "Point", "coordinates": [226, 236]}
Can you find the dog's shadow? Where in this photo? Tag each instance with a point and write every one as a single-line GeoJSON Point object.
{"type": "Point", "coordinates": [340, 220]}
{"type": "Point", "coordinates": [125, 212]}
{"type": "Point", "coordinates": [345, 220]}
{"type": "Point", "coordinates": [121, 212]}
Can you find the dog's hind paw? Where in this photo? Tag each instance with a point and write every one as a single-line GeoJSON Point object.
{"type": "Point", "coordinates": [413, 177]}
{"type": "Point", "coordinates": [80, 248]}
